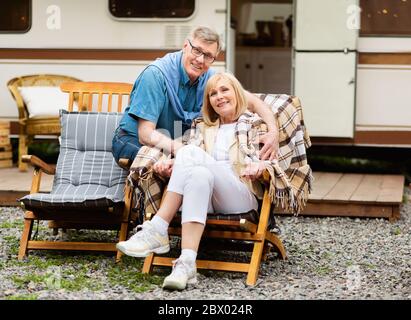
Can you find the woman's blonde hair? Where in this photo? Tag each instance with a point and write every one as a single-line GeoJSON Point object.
{"type": "Point", "coordinates": [209, 115]}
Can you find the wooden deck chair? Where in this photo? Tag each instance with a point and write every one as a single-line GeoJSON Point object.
{"type": "Point", "coordinates": [38, 99]}
{"type": "Point", "coordinates": [89, 187]}
{"type": "Point", "coordinates": [246, 228]}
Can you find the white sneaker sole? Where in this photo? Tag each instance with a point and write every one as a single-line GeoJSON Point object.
{"type": "Point", "coordinates": [173, 284]}
{"type": "Point", "coordinates": [160, 250]}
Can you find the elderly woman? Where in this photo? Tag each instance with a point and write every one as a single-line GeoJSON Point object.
{"type": "Point", "coordinates": [209, 174]}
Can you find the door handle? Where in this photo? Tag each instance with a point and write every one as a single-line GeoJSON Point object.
{"type": "Point", "coordinates": [352, 81]}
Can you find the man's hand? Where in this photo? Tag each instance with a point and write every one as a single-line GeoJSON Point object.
{"type": "Point", "coordinates": [254, 170]}
{"type": "Point", "coordinates": [270, 139]}
{"type": "Point", "coordinates": [270, 146]}
{"type": "Point", "coordinates": [164, 168]}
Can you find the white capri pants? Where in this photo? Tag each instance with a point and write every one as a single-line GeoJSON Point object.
{"type": "Point", "coordinates": [207, 185]}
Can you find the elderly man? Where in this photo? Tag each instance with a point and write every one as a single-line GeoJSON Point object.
{"type": "Point", "coordinates": [168, 95]}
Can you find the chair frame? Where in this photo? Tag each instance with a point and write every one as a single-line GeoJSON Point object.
{"type": "Point", "coordinates": [65, 220]}
{"type": "Point", "coordinates": [245, 230]}
{"type": "Point", "coordinates": [29, 127]}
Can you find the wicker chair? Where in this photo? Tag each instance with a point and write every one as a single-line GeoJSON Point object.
{"type": "Point", "coordinates": [31, 126]}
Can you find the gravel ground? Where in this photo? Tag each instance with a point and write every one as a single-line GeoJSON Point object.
{"type": "Point", "coordinates": [328, 258]}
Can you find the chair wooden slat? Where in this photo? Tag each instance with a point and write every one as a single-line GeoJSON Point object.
{"type": "Point", "coordinates": [119, 102]}
{"type": "Point", "coordinates": [90, 102]}
{"type": "Point", "coordinates": [111, 89]}
{"type": "Point", "coordinates": [100, 102]}
{"type": "Point", "coordinates": [71, 101]}
{"type": "Point", "coordinates": [110, 102]}
{"type": "Point", "coordinates": [80, 101]}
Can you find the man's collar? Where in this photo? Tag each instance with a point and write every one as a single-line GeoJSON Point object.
{"type": "Point", "coordinates": [184, 77]}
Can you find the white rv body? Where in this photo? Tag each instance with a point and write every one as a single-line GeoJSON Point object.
{"type": "Point", "coordinates": [89, 25]}
{"type": "Point", "coordinates": [350, 92]}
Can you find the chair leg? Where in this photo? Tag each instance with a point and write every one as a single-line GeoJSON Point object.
{"type": "Point", "coordinates": [148, 264]}
{"type": "Point", "coordinates": [255, 263]}
{"type": "Point", "coordinates": [122, 237]}
{"type": "Point", "coordinates": [266, 251]}
{"type": "Point", "coordinates": [24, 241]}
{"type": "Point", "coordinates": [125, 220]}
{"type": "Point", "coordinates": [276, 242]}
{"type": "Point", "coordinates": [23, 149]}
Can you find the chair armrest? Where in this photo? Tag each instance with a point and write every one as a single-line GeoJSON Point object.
{"type": "Point", "coordinates": [124, 163]}
{"type": "Point", "coordinates": [38, 163]}
{"type": "Point", "coordinates": [21, 108]}
{"type": "Point", "coordinates": [266, 176]}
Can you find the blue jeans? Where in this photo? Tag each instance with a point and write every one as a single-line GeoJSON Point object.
{"type": "Point", "coordinates": [124, 145]}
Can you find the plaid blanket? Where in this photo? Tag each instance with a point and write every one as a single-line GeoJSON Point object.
{"type": "Point", "coordinates": [291, 176]}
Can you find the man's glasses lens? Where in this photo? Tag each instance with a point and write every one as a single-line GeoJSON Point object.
{"type": "Point", "coordinates": [197, 52]}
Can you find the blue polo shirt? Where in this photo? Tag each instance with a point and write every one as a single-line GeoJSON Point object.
{"type": "Point", "coordinates": [149, 101]}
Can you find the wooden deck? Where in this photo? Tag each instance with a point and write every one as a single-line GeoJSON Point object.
{"type": "Point", "coordinates": [15, 184]}
{"type": "Point", "coordinates": [334, 194]}
{"type": "Point", "coordinates": [355, 195]}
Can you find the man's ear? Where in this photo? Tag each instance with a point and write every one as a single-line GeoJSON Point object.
{"type": "Point", "coordinates": [185, 44]}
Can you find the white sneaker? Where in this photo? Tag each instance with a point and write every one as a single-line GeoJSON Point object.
{"type": "Point", "coordinates": [184, 272]}
{"type": "Point", "coordinates": [145, 241]}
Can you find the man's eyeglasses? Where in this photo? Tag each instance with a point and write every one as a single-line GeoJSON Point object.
{"type": "Point", "coordinates": [198, 53]}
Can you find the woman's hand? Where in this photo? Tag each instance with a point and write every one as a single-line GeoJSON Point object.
{"type": "Point", "coordinates": [254, 170]}
{"type": "Point", "coordinates": [164, 168]}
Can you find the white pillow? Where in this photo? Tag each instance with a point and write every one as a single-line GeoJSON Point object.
{"type": "Point", "coordinates": [44, 101]}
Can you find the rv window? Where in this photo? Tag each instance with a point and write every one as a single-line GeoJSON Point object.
{"type": "Point", "coordinates": [163, 9]}
{"type": "Point", "coordinates": [15, 16]}
{"type": "Point", "coordinates": [385, 18]}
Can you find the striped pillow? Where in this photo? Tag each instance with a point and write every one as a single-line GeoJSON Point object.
{"type": "Point", "coordinates": [86, 172]}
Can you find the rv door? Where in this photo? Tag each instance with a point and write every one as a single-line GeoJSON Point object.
{"type": "Point", "coordinates": [230, 40]}
{"type": "Point", "coordinates": [325, 65]}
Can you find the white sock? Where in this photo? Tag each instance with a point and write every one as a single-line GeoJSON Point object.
{"type": "Point", "coordinates": [189, 254]}
{"type": "Point", "coordinates": [160, 225]}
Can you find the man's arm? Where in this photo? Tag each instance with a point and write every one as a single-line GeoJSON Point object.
{"type": "Point", "coordinates": [271, 138]}
{"type": "Point", "coordinates": [149, 136]}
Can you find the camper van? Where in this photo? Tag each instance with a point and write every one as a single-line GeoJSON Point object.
{"type": "Point", "coordinates": [349, 61]}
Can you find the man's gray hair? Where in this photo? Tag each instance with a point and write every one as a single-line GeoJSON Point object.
{"type": "Point", "coordinates": [207, 34]}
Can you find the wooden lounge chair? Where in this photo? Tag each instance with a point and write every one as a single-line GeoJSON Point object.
{"type": "Point", "coordinates": [246, 228]}
{"type": "Point", "coordinates": [250, 227]}
{"type": "Point", "coordinates": [89, 187]}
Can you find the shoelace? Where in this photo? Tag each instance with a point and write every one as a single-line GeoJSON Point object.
{"type": "Point", "coordinates": [180, 267]}
{"type": "Point", "coordinates": [140, 234]}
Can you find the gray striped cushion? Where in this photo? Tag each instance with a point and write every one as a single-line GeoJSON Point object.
{"type": "Point", "coordinates": [86, 172]}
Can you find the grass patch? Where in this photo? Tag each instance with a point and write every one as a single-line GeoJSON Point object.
{"type": "Point", "coordinates": [324, 270]}
{"type": "Point", "coordinates": [22, 282]}
{"type": "Point", "coordinates": [12, 244]}
{"type": "Point", "coordinates": [42, 263]}
{"type": "Point", "coordinates": [126, 275]}
{"type": "Point", "coordinates": [12, 224]}
{"type": "Point", "coordinates": [79, 281]}
{"type": "Point", "coordinates": [396, 231]}
{"type": "Point", "coordinates": [71, 278]}
{"type": "Point", "coordinates": [368, 265]}
{"type": "Point", "coordinates": [31, 296]}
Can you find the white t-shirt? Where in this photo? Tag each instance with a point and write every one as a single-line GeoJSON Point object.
{"type": "Point", "coordinates": [224, 139]}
